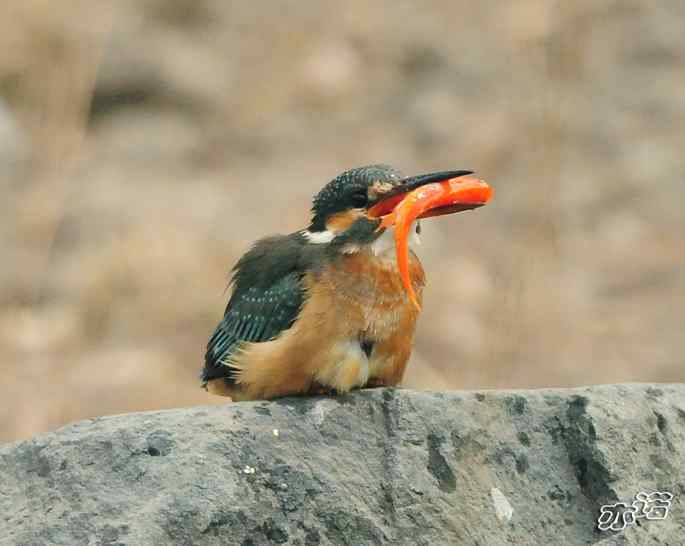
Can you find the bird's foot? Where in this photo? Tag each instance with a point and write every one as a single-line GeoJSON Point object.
{"type": "Point", "coordinates": [374, 383]}
{"type": "Point", "coordinates": [317, 389]}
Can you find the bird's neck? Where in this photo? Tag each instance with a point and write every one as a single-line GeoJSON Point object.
{"type": "Point", "coordinates": [384, 246]}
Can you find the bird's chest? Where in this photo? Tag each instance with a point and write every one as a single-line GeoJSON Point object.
{"type": "Point", "coordinates": [369, 320]}
{"type": "Point", "coordinates": [367, 295]}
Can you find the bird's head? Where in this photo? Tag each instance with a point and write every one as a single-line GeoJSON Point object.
{"type": "Point", "coordinates": [349, 206]}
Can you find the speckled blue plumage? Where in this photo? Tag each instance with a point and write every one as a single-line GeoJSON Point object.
{"type": "Point", "coordinates": [266, 299]}
{"type": "Point", "coordinates": [338, 195]}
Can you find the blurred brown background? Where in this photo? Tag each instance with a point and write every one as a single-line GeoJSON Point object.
{"type": "Point", "coordinates": [145, 144]}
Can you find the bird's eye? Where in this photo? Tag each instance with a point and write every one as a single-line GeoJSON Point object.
{"type": "Point", "coordinates": [359, 199]}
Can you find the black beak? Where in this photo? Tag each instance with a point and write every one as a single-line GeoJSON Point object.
{"type": "Point", "coordinates": [411, 183]}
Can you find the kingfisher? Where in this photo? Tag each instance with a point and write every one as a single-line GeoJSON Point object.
{"type": "Point", "coordinates": [323, 309]}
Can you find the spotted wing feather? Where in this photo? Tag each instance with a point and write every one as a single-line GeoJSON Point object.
{"type": "Point", "coordinates": [266, 300]}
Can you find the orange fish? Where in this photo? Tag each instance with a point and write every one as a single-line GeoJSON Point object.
{"type": "Point", "coordinates": [436, 199]}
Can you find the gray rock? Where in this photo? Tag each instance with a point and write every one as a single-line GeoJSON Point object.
{"type": "Point", "coordinates": [372, 467]}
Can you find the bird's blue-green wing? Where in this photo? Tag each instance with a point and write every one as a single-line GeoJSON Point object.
{"type": "Point", "coordinates": [267, 297]}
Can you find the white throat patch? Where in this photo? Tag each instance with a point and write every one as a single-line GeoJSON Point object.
{"type": "Point", "coordinates": [319, 237]}
{"type": "Point", "coordinates": [385, 244]}
{"type": "Point", "coordinates": [383, 247]}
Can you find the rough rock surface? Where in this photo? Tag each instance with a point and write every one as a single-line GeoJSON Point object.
{"type": "Point", "coordinates": [373, 467]}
